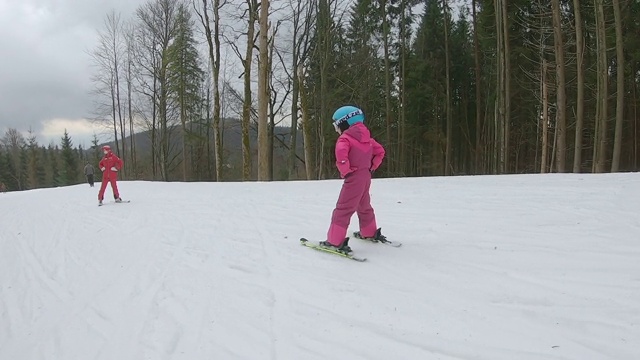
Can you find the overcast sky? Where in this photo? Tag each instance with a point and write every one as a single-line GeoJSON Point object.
{"type": "Point", "coordinates": [44, 67]}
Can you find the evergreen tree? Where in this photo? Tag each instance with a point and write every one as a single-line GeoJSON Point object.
{"type": "Point", "coordinates": [4, 168]}
{"type": "Point", "coordinates": [426, 90]}
{"type": "Point", "coordinates": [44, 156]}
{"type": "Point", "coordinates": [35, 168]}
{"type": "Point", "coordinates": [363, 70]}
{"type": "Point", "coordinates": [9, 178]}
{"type": "Point", "coordinates": [330, 81]}
{"type": "Point", "coordinates": [96, 152]}
{"type": "Point", "coordinates": [54, 165]}
{"type": "Point", "coordinates": [69, 169]}
{"type": "Point", "coordinates": [185, 79]}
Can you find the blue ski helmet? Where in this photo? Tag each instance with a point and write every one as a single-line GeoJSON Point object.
{"type": "Point", "coordinates": [347, 116]}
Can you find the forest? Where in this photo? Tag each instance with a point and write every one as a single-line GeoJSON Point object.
{"type": "Point", "coordinates": [244, 90]}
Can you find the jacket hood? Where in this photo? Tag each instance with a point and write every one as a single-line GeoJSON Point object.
{"type": "Point", "coordinates": [359, 132]}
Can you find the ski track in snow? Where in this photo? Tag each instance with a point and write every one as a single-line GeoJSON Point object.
{"type": "Point", "coordinates": [491, 267]}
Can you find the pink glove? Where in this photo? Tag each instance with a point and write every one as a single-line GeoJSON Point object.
{"type": "Point", "coordinates": [102, 169]}
{"type": "Point", "coordinates": [113, 168]}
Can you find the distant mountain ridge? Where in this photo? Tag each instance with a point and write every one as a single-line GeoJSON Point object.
{"type": "Point", "coordinates": [232, 143]}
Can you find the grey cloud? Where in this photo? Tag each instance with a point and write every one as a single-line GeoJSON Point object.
{"type": "Point", "coordinates": [45, 70]}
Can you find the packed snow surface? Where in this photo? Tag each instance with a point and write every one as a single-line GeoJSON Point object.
{"type": "Point", "coordinates": [511, 267]}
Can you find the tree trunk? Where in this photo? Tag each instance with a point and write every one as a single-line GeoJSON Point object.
{"type": "Point", "coordinates": [154, 130]}
{"type": "Point", "coordinates": [577, 153]}
{"type": "Point", "coordinates": [506, 83]}
{"type": "Point", "coordinates": [183, 123]}
{"type": "Point", "coordinates": [545, 119]}
{"type": "Point", "coordinates": [293, 144]}
{"type": "Point", "coordinates": [479, 127]}
{"type": "Point", "coordinates": [116, 28]}
{"type": "Point", "coordinates": [402, 126]}
{"type": "Point", "coordinates": [307, 128]}
{"type": "Point", "coordinates": [113, 111]}
{"type": "Point", "coordinates": [324, 30]}
{"type": "Point", "coordinates": [600, 145]}
{"type": "Point", "coordinates": [217, 132]}
{"type": "Point", "coordinates": [561, 101]}
{"type": "Point", "coordinates": [498, 143]}
{"type": "Point", "coordinates": [448, 166]}
{"type": "Point", "coordinates": [263, 94]}
{"type": "Point", "coordinates": [272, 105]}
{"type": "Point", "coordinates": [214, 59]}
{"type": "Point", "coordinates": [247, 104]}
{"type": "Point", "coordinates": [387, 82]}
{"type": "Point", "coordinates": [635, 124]}
{"type": "Point", "coordinates": [617, 143]}
{"type": "Point", "coordinates": [133, 167]}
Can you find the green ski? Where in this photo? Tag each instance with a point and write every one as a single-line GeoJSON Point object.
{"type": "Point", "coordinates": [318, 247]}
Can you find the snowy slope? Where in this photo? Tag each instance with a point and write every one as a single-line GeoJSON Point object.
{"type": "Point", "coordinates": [491, 267]}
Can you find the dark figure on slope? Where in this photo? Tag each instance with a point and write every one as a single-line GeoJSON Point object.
{"type": "Point", "coordinates": [88, 173]}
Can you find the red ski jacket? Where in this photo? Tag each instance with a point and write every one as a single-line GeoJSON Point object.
{"type": "Point", "coordinates": [108, 162]}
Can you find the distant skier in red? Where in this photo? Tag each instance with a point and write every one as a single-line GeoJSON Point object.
{"type": "Point", "coordinates": [110, 165]}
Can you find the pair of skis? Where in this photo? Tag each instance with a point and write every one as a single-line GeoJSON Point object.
{"type": "Point", "coordinates": [351, 255]}
{"type": "Point", "coordinates": [115, 202]}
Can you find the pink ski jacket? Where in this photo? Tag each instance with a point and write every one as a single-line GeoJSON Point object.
{"type": "Point", "coordinates": [356, 150]}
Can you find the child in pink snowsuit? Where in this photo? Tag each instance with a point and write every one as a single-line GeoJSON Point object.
{"type": "Point", "coordinates": [357, 155]}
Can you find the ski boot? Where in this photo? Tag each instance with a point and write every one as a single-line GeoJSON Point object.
{"type": "Point", "coordinates": [343, 248]}
{"type": "Point", "coordinates": [118, 200]}
{"type": "Point", "coordinates": [377, 237]}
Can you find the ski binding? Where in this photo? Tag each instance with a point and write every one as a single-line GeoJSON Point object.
{"type": "Point", "coordinates": [319, 247]}
{"type": "Point", "coordinates": [383, 241]}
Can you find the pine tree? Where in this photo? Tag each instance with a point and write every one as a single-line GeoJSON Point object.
{"type": "Point", "coordinates": [69, 171]}
{"type": "Point", "coordinates": [185, 78]}
{"type": "Point", "coordinates": [426, 88]}
{"type": "Point", "coordinates": [35, 168]}
{"type": "Point", "coordinates": [4, 169]}
{"type": "Point", "coordinates": [9, 169]}
{"type": "Point", "coordinates": [362, 65]}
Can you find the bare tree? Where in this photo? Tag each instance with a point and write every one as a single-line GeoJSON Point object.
{"type": "Point", "coordinates": [447, 163]}
{"type": "Point", "coordinates": [617, 143]}
{"type": "Point", "coordinates": [561, 100]}
{"type": "Point", "coordinates": [213, 41]}
{"type": "Point", "coordinates": [13, 142]}
{"type": "Point", "coordinates": [302, 23]}
{"type": "Point", "coordinates": [307, 127]}
{"type": "Point", "coordinates": [600, 143]}
{"type": "Point", "coordinates": [577, 154]}
{"type": "Point", "coordinates": [129, 79]}
{"type": "Point", "coordinates": [279, 89]}
{"type": "Point", "coordinates": [476, 58]}
{"type": "Point", "coordinates": [263, 93]}
{"type": "Point", "coordinates": [506, 82]}
{"type": "Point", "coordinates": [146, 64]}
{"type": "Point", "coordinates": [252, 9]}
{"type": "Point", "coordinates": [159, 19]}
{"type": "Point", "coordinates": [324, 48]}
{"type": "Point", "coordinates": [107, 58]}
{"type": "Point", "coordinates": [250, 15]}
{"type": "Point", "coordinates": [498, 154]}
{"type": "Point", "coordinates": [387, 77]}
{"type": "Point", "coordinates": [545, 117]}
